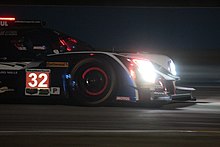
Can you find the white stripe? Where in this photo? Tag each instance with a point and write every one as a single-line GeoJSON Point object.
{"type": "Point", "coordinates": [205, 86]}
{"type": "Point", "coordinates": [113, 131]}
{"type": "Point", "coordinates": [13, 65]}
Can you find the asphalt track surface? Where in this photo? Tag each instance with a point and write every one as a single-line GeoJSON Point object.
{"type": "Point", "coordinates": [179, 124]}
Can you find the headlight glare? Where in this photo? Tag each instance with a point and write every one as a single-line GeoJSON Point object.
{"type": "Point", "coordinates": [172, 67]}
{"type": "Point", "coordinates": [146, 70]}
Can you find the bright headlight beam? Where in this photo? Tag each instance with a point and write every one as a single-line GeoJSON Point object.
{"type": "Point", "coordinates": [172, 68]}
{"type": "Point", "coordinates": [146, 69]}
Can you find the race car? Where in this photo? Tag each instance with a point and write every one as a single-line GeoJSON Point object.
{"type": "Point", "coordinates": [40, 62]}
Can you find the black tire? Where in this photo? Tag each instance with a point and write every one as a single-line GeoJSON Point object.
{"type": "Point", "coordinates": [92, 82]}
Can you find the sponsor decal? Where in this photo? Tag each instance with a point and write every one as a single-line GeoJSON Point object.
{"type": "Point", "coordinates": [43, 47]}
{"type": "Point", "coordinates": [5, 89]}
{"type": "Point", "coordinates": [21, 48]}
{"type": "Point", "coordinates": [3, 23]}
{"type": "Point", "coordinates": [122, 98]}
{"type": "Point", "coordinates": [55, 90]}
{"type": "Point", "coordinates": [8, 72]}
{"type": "Point", "coordinates": [8, 33]}
{"type": "Point", "coordinates": [37, 91]}
{"type": "Point", "coordinates": [57, 64]}
{"type": "Point", "coordinates": [160, 93]}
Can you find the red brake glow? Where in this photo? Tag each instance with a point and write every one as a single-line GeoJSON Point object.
{"type": "Point", "coordinates": [133, 75]}
{"type": "Point", "coordinates": [63, 42]}
{"type": "Point", "coordinates": [105, 76]}
{"type": "Point", "coordinates": [73, 40]}
{"type": "Point", "coordinates": [69, 43]}
{"type": "Point", "coordinates": [7, 18]}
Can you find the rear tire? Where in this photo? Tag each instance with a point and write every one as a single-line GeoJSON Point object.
{"type": "Point", "coordinates": [92, 82]}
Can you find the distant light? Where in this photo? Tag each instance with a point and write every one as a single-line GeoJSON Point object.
{"type": "Point", "coordinates": [69, 49]}
{"type": "Point", "coordinates": [7, 18]}
{"type": "Point", "coordinates": [133, 75]}
{"type": "Point", "coordinates": [172, 67]}
{"type": "Point", "coordinates": [68, 76]}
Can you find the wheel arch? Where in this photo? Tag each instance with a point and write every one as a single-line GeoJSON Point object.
{"type": "Point", "coordinates": [121, 72]}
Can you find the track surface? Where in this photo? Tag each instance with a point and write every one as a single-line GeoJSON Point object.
{"type": "Point", "coordinates": [180, 124]}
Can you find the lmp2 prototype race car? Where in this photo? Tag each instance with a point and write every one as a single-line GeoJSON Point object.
{"type": "Point", "coordinates": [36, 61]}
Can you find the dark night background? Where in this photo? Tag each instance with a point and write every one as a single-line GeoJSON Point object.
{"type": "Point", "coordinates": [189, 34]}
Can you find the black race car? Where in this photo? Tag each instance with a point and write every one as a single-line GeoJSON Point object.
{"type": "Point", "coordinates": [36, 61]}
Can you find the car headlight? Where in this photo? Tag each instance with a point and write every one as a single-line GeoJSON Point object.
{"type": "Point", "coordinates": [146, 70]}
{"type": "Point", "coordinates": [172, 67]}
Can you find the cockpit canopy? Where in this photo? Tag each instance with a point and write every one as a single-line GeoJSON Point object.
{"type": "Point", "coordinates": [31, 39]}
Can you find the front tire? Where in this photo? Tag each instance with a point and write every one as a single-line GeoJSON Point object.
{"type": "Point", "coordinates": [92, 82]}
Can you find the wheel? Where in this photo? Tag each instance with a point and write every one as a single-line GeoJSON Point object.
{"type": "Point", "coordinates": [92, 82]}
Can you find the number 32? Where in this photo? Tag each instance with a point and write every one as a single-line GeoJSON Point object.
{"type": "Point", "coordinates": [38, 80]}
